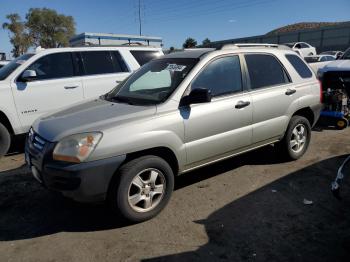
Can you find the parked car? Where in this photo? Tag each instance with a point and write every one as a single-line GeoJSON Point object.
{"type": "Point", "coordinates": [49, 79]}
{"type": "Point", "coordinates": [3, 63]}
{"type": "Point", "coordinates": [337, 54]}
{"type": "Point", "coordinates": [175, 114]}
{"type": "Point", "coordinates": [318, 61]}
{"type": "Point", "coordinates": [302, 48]}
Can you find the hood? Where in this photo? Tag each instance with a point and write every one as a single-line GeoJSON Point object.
{"type": "Point", "coordinates": [95, 115]}
{"type": "Point", "coordinates": [337, 65]}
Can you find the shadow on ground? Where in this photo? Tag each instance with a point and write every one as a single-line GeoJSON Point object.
{"type": "Point", "coordinates": [273, 224]}
{"type": "Point", "coordinates": [261, 226]}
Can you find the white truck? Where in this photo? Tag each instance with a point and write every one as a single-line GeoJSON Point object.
{"type": "Point", "coordinates": [50, 79]}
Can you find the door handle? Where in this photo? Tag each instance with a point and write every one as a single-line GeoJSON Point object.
{"type": "Point", "coordinates": [118, 81]}
{"type": "Point", "coordinates": [290, 92]}
{"type": "Point", "coordinates": [242, 104]}
{"type": "Point", "coordinates": [70, 87]}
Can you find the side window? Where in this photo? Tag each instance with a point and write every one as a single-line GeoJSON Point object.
{"type": "Point", "coordinates": [265, 70]}
{"type": "Point", "coordinates": [58, 65]}
{"type": "Point", "coordinates": [143, 57]}
{"type": "Point", "coordinates": [298, 46]}
{"type": "Point", "coordinates": [119, 63]}
{"type": "Point", "coordinates": [222, 76]}
{"type": "Point", "coordinates": [299, 65]}
{"type": "Point", "coordinates": [303, 45]}
{"type": "Point", "coordinates": [97, 62]}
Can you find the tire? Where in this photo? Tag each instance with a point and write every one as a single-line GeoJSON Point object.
{"type": "Point", "coordinates": [295, 127]}
{"type": "Point", "coordinates": [5, 140]}
{"type": "Point", "coordinates": [138, 199]}
{"type": "Point", "coordinates": [341, 124]}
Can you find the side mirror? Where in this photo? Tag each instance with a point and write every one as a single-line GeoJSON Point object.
{"type": "Point", "coordinates": [197, 96]}
{"type": "Point", "coordinates": [28, 75]}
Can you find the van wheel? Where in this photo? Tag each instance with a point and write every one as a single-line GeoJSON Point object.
{"type": "Point", "coordinates": [296, 139]}
{"type": "Point", "coordinates": [5, 140]}
{"type": "Point", "coordinates": [142, 188]}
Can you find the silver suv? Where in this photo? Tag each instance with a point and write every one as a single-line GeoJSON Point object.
{"type": "Point", "coordinates": [175, 114]}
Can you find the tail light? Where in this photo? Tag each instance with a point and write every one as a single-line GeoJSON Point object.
{"type": "Point", "coordinates": [321, 92]}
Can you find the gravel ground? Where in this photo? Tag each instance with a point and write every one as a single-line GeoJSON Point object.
{"type": "Point", "coordinates": [249, 208]}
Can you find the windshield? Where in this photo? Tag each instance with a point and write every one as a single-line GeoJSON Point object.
{"type": "Point", "coordinates": [346, 55]}
{"type": "Point", "coordinates": [6, 70]}
{"type": "Point", "coordinates": [154, 82]}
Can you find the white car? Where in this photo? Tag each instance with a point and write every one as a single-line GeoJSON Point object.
{"type": "Point", "coordinates": [50, 79]}
{"type": "Point", "coordinates": [3, 63]}
{"type": "Point", "coordinates": [302, 48]}
{"type": "Point", "coordinates": [337, 54]}
{"type": "Point", "coordinates": [318, 61]}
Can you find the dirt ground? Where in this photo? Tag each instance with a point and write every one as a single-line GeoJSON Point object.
{"type": "Point", "coordinates": [249, 208]}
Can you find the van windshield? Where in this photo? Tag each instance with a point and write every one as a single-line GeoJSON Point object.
{"type": "Point", "coordinates": [13, 65]}
{"type": "Point", "coordinates": [154, 82]}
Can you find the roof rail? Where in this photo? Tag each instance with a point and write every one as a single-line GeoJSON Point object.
{"type": "Point", "coordinates": [234, 46]}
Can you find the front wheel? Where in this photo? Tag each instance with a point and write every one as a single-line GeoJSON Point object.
{"type": "Point", "coordinates": [142, 188]}
{"type": "Point", "coordinates": [296, 139]}
{"type": "Point", "coordinates": [5, 140]}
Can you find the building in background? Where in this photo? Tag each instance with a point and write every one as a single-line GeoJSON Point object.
{"type": "Point", "coordinates": [322, 35]}
{"type": "Point", "coordinates": [85, 39]}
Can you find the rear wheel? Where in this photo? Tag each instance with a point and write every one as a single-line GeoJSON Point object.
{"type": "Point", "coordinates": [297, 138]}
{"type": "Point", "coordinates": [5, 140]}
{"type": "Point", "coordinates": [142, 188]}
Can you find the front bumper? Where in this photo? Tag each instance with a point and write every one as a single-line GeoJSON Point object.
{"type": "Point", "coordinates": [84, 182]}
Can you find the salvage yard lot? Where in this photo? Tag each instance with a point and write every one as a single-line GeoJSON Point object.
{"type": "Point", "coordinates": [249, 208]}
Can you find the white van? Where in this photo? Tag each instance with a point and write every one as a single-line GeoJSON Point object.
{"type": "Point", "coordinates": [49, 79]}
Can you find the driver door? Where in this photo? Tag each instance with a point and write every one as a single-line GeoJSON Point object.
{"type": "Point", "coordinates": [218, 128]}
{"type": "Point", "coordinates": [55, 86]}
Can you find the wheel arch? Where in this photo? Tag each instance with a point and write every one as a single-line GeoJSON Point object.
{"type": "Point", "coordinates": [6, 122]}
{"type": "Point", "coordinates": [307, 113]}
{"type": "Point", "coordinates": [163, 152]}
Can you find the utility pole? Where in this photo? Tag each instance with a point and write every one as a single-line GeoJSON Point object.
{"type": "Point", "coordinates": [140, 22]}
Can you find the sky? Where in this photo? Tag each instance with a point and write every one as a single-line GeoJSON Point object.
{"type": "Point", "coordinates": [176, 20]}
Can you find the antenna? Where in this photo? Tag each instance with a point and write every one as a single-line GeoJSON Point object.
{"type": "Point", "coordinates": [140, 22]}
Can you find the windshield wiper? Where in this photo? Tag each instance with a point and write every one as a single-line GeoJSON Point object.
{"type": "Point", "coordinates": [121, 99]}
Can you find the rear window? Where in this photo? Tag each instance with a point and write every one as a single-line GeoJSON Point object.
{"type": "Point", "coordinates": [97, 62]}
{"type": "Point", "coordinates": [143, 57]}
{"type": "Point", "coordinates": [299, 66]}
{"type": "Point", "coordinates": [265, 70]}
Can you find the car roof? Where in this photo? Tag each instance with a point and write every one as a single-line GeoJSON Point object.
{"type": "Point", "coordinates": [202, 52]}
{"type": "Point", "coordinates": [91, 48]}
{"type": "Point", "coordinates": [190, 53]}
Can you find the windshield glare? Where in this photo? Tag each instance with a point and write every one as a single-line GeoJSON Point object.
{"type": "Point", "coordinates": [154, 82]}
{"type": "Point", "coordinates": [13, 65]}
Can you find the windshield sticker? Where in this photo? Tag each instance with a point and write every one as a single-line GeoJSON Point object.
{"type": "Point", "coordinates": [175, 67]}
{"type": "Point", "coordinates": [20, 62]}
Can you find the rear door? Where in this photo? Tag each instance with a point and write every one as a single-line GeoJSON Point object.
{"type": "Point", "coordinates": [56, 86]}
{"type": "Point", "coordinates": [222, 126]}
{"type": "Point", "coordinates": [272, 94]}
{"type": "Point", "coordinates": [103, 70]}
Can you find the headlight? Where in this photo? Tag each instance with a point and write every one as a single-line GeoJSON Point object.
{"type": "Point", "coordinates": [76, 148]}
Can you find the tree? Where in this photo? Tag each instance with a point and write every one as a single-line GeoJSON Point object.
{"type": "Point", "coordinates": [49, 29]}
{"type": "Point", "coordinates": [189, 43]}
{"type": "Point", "coordinates": [206, 42]}
{"type": "Point", "coordinates": [19, 36]}
{"type": "Point", "coordinates": [172, 49]}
